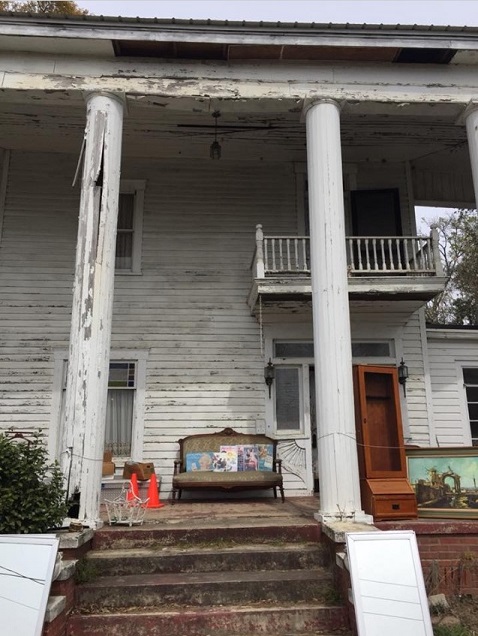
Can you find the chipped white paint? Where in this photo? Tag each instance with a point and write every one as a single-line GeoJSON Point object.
{"type": "Point", "coordinates": [337, 450]}
{"type": "Point", "coordinates": [471, 117]}
{"type": "Point", "coordinates": [358, 86]}
{"type": "Point", "coordinates": [90, 335]}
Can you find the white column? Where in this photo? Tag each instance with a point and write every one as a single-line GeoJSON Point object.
{"type": "Point", "coordinates": [471, 118]}
{"type": "Point", "coordinates": [337, 450]}
{"type": "Point", "coordinates": [87, 380]}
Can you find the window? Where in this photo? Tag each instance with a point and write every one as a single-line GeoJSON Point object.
{"type": "Point", "coordinates": [371, 349]}
{"type": "Point", "coordinates": [130, 225]}
{"type": "Point", "coordinates": [287, 392]}
{"type": "Point", "coordinates": [470, 378]}
{"type": "Point", "coordinates": [120, 408]}
{"type": "Point", "coordinates": [295, 349]}
{"type": "Point", "coordinates": [124, 425]}
{"type": "Point", "coordinates": [360, 349]}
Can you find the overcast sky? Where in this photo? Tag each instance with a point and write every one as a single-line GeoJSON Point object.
{"type": "Point", "coordinates": [438, 12]}
{"type": "Point", "coordinates": [425, 12]}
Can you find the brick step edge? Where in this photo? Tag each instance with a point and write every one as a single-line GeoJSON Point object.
{"type": "Point", "coordinates": [111, 538]}
{"type": "Point", "coordinates": [238, 558]}
{"type": "Point", "coordinates": [280, 621]}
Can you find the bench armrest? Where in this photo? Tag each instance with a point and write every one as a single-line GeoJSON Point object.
{"type": "Point", "coordinates": [177, 466]}
{"type": "Point", "coordinates": [278, 468]}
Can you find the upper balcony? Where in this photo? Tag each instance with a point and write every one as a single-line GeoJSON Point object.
{"type": "Point", "coordinates": [378, 267]}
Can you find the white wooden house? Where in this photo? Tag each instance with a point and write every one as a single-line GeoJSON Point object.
{"type": "Point", "coordinates": [328, 136]}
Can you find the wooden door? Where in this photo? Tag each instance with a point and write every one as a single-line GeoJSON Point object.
{"type": "Point", "coordinates": [379, 423]}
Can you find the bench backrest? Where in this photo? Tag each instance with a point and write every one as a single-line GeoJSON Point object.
{"type": "Point", "coordinates": [212, 442]}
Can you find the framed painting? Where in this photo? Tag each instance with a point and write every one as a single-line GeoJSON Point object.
{"type": "Point", "coordinates": [445, 481]}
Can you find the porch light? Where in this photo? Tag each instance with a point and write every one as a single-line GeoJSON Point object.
{"type": "Point", "coordinates": [215, 149]}
{"type": "Point", "coordinates": [269, 375]}
{"type": "Point", "coordinates": [403, 375]}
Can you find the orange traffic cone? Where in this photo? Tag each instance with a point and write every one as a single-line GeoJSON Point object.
{"type": "Point", "coordinates": [133, 492]}
{"type": "Point", "coordinates": [153, 494]}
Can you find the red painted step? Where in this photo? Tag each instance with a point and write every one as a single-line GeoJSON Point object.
{"type": "Point", "coordinates": [274, 620]}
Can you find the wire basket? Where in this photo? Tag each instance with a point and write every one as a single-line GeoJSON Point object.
{"type": "Point", "coordinates": [126, 509]}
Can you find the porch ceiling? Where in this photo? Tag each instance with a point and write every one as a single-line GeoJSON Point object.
{"type": "Point", "coordinates": [376, 311]}
{"type": "Point", "coordinates": [271, 130]}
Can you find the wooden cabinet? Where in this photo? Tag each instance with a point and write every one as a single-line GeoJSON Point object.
{"type": "Point", "coordinates": [385, 490]}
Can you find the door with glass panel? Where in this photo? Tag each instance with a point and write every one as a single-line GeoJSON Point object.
{"type": "Point", "coordinates": [294, 410]}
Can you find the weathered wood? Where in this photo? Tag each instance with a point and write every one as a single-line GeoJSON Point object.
{"type": "Point", "coordinates": [87, 379]}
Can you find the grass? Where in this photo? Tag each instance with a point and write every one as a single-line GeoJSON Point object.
{"type": "Point", "coordinates": [85, 571]}
{"type": "Point", "coordinates": [452, 630]}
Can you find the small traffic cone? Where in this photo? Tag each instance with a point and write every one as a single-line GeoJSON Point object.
{"type": "Point", "coordinates": [153, 493]}
{"type": "Point", "coordinates": [133, 492]}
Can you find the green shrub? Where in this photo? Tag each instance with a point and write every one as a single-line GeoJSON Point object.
{"type": "Point", "coordinates": [451, 630]}
{"type": "Point", "coordinates": [32, 497]}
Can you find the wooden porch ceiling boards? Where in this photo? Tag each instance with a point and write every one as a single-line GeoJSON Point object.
{"type": "Point", "coordinates": [152, 130]}
{"type": "Point", "coordinates": [223, 51]}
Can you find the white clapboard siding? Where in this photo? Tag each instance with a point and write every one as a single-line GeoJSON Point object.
{"type": "Point", "coordinates": [432, 187]}
{"type": "Point", "coordinates": [413, 351]}
{"type": "Point", "coordinates": [447, 356]}
{"type": "Point", "coordinates": [188, 309]}
{"type": "Point", "coordinates": [390, 325]}
{"type": "Point", "coordinates": [36, 275]}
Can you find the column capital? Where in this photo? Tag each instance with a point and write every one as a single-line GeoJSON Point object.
{"type": "Point", "coordinates": [469, 109]}
{"type": "Point", "coordinates": [117, 97]}
{"type": "Point", "coordinates": [310, 102]}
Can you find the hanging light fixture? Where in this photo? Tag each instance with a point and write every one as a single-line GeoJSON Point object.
{"type": "Point", "coordinates": [215, 149]}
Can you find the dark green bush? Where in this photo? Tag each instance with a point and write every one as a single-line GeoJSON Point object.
{"type": "Point", "coordinates": [32, 497]}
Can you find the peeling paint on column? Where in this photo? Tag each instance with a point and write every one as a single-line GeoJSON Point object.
{"type": "Point", "coordinates": [86, 391]}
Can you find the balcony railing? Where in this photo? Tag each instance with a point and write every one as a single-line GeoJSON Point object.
{"type": "Point", "coordinates": [366, 255]}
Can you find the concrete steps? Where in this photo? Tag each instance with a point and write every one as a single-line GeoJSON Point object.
{"type": "Point", "coordinates": [205, 589]}
{"type": "Point", "coordinates": [224, 580]}
{"type": "Point", "coordinates": [207, 559]}
{"type": "Point", "coordinates": [276, 620]}
{"type": "Point", "coordinates": [241, 533]}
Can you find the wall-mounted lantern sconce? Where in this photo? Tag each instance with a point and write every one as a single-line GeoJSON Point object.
{"type": "Point", "coordinates": [403, 375]}
{"type": "Point", "coordinates": [269, 375]}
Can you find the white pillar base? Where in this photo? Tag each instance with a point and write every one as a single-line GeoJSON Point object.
{"type": "Point", "coordinates": [94, 524]}
{"type": "Point", "coordinates": [355, 517]}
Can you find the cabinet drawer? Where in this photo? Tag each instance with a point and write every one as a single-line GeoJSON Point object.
{"type": "Point", "coordinates": [401, 507]}
{"type": "Point", "coordinates": [388, 499]}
